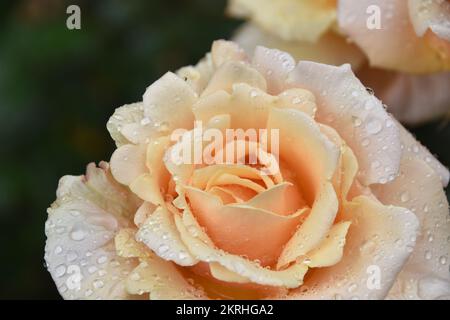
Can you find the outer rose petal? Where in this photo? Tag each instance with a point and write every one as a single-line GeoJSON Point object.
{"type": "Point", "coordinates": [302, 20]}
{"type": "Point", "coordinates": [358, 117]}
{"type": "Point", "coordinates": [168, 101]}
{"type": "Point", "coordinates": [412, 149]}
{"type": "Point", "coordinates": [434, 14]}
{"type": "Point", "coordinates": [80, 229]}
{"type": "Point", "coordinates": [418, 188]}
{"type": "Point", "coordinates": [330, 48]}
{"type": "Point", "coordinates": [162, 280]}
{"type": "Point", "coordinates": [125, 119]}
{"type": "Point", "coordinates": [396, 45]}
{"type": "Point", "coordinates": [412, 99]}
{"type": "Point", "coordinates": [128, 163]}
{"type": "Point", "coordinates": [373, 241]}
{"type": "Point", "coordinates": [159, 234]}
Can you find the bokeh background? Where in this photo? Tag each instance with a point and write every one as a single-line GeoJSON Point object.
{"type": "Point", "coordinates": [58, 87]}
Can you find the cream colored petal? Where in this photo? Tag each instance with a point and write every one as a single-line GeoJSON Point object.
{"type": "Point", "coordinates": [282, 199]}
{"type": "Point", "coordinates": [160, 234]}
{"type": "Point", "coordinates": [168, 103]}
{"type": "Point", "coordinates": [395, 45]}
{"type": "Point", "coordinates": [360, 119]}
{"type": "Point", "coordinates": [413, 149]}
{"type": "Point", "coordinates": [198, 76]}
{"type": "Point", "coordinates": [275, 65]}
{"type": "Point", "coordinates": [302, 20]}
{"type": "Point", "coordinates": [221, 273]}
{"type": "Point", "coordinates": [240, 229]}
{"type": "Point", "coordinates": [80, 229]}
{"type": "Point", "coordinates": [378, 244]}
{"type": "Point", "coordinates": [308, 152]}
{"type": "Point", "coordinates": [230, 179]}
{"type": "Point", "coordinates": [244, 99]}
{"type": "Point", "coordinates": [127, 246]}
{"type": "Point", "coordinates": [291, 277]}
{"type": "Point", "coordinates": [296, 98]}
{"type": "Point", "coordinates": [232, 72]}
{"type": "Point", "coordinates": [223, 51]}
{"type": "Point", "coordinates": [418, 188]}
{"type": "Point", "coordinates": [162, 280]}
{"type": "Point", "coordinates": [128, 163]}
{"type": "Point", "coordinates": [434, 14]}
{"type": "Point", "coordinates": [128, 125]}
{"type": "Point", "coordinates": [201, 177]}
{"type": "Point", "coordinates": [330, 251]}
{"type": "Point", "coordinates": [412, 99]}
{"type": "Point", "coordinates": [344, 177]}
{"type": "Point", "coordinates": [314, 229]}
{"type": "Point", "coordinates": [330, 48]}
{"type": "Point", "coordinates": [149, 186]}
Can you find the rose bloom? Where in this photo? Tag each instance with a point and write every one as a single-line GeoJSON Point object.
{"type": "Point", "coordinates": [356, 209]}
{"type": "Point", "coordinates": [400, 48]}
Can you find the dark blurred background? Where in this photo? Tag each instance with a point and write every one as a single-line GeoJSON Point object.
{"type": "Point", "coordinates": [58, 87]}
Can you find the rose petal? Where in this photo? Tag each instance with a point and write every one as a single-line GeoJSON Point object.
{"type": "Point", "coordinates": [240, 229]}
{"type": "Point", "coordinates": [291, 277]}
{"type": "Point", "coordinates": [221, 273]}
{"type": "Point", "coordinates": [359, 118]}
{"type": "Point", "coordinates": [331, 249]}
{"type": "Point", "coordinates": [282, 199]}
{"type": "Point", "coordinates": [395, 45]}
{"type": "Point", "coordinates": [148, 186]}
{"type": "Point", "coordinates": [330, 48]}
{"type": "Point", "coordinates": [81, 226]}
{"type": "Point", "coordinates": [377, 247]}
{"type": "Point", "coordinates": [223, 51]}
{"type": "Point", "coordinates": [127, 125]}
{"type": "Point", "coordinates": [306, 150]}
{"type": "Point", "coordinates": [162, 281]}
{"type": "Point", "coordinates": [412, 99]}
{"type": "Point", "coordinates": [418, 188]}
{"type": "Point", "coordinates": [275, 65]}
{"type": "Point", "coordinates": [430, 14]}
{"type": "Point", "coordinates": [128, 163]}
{"type": "Point", "coordinates": [232, 72]}
{"type": "Point", "coordinates": [159, 234]}
{"type": "Point", "coordinates": [168, 102]}
{"type": "Point", "coordinates": [314, 229]}
{"type": "Point", "coordinates": [290, 19]}
{"type": "Point", "coordinates": [198, 76]}
{"type": "Point", "coordinates": [413, 149]}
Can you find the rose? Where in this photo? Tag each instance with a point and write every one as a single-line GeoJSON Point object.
{"type": "Point", "coordinates": [357, 207]}
{"type": "Point", "coordinates": [398, 38]}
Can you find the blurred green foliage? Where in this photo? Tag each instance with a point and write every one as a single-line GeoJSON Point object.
{"type": "Point", "coordinates": [58, 88]}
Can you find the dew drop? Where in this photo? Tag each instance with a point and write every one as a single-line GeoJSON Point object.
{"type": "Point", "coordinates": [58, 250]}
{"type": "Point", "coordinates": [98, 284]}
{"type": "Point", "coordinates": [77, 234]}
{"type": "Point", "coordinates": [404, 197]}
{"type": "Point", "coordinates": [60, 270]}
{"type": "Point", "coordinates": [163, 248]}
{"type": "Point", "coordinates": [145, 121]}
{"type": "Point", "coordinates": [102, 259]}
{"type": "Point", "coordinates": [427, 255]}
{"type": "Point", "coordinates": [443, 260]}
{"type": "Point", "coordinates": [374, 127]}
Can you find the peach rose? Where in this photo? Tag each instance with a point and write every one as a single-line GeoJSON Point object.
{"type": "Point", "coordinates": [353, 206]}
{"type": "Point", "coordinates": [390, 44]}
